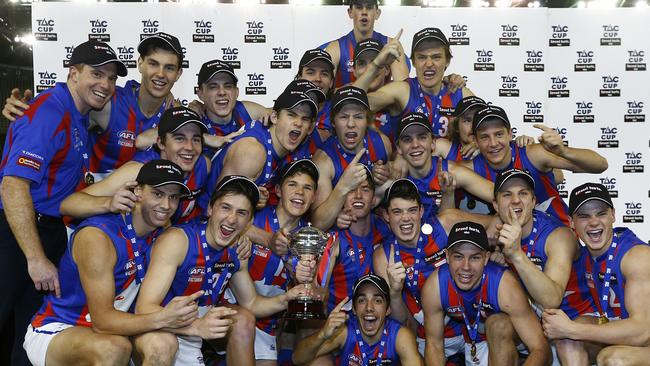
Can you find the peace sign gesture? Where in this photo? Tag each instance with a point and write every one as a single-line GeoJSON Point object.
{"type": "Point", "coordinates": [510, 234]}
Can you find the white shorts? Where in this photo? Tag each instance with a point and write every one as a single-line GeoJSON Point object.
{"type": "Point", "coordinates": [482, 353]}
{"type": "Point", "coordinates": [189, 351]}
{"type": "Point", "coordinates": [265, 346]}
{"type": "Point", "coordinates": [38, 340]}
{"type": "Point", "coordinates": [452, 345]}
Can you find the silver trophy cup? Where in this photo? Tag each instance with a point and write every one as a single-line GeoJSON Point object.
{"type": "Point", "coordinates": [306, 244]}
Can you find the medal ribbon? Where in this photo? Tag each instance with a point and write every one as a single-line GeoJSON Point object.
{"type": "Point", "coordinates": [602, 302]}
{"type": "Point", "coordinates": [365, 348]}
{"type": "Point", "coordinates": [412, 285]}
{"type": "Point", "coordinates": [139, 260]}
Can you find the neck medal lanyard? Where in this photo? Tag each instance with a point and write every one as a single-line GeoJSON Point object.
{"type": "Point", "coordinates": [207, 280]}
{"type": "Point", "coordinates": [534, 234]}
{"type": "Point", "coordinates": [436, 102]}
{"type": "Point", "coordinates": [135, 248]}
{"type": "Point", "coordinates": [472, 331]}
{"type": "Point", "coordinates": [365, 348]}
{"type": "Point", "coordinates": [602, 301]}
{"type": "Point", "coordinates": [412, 285]}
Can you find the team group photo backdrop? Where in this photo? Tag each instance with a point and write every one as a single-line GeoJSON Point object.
{"type": "Point", "coordinates": [582, 71]}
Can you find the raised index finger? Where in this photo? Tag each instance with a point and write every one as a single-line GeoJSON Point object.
{"type": "Point", "coordinates": [542, 127]}
{"type": "Point", "coordinates": [399, 34]}
{"type": "Point", "coordinates": [339, 306]}
{"type": "Point", "coordinates": [194, 296]}
{"type": "Point", "coordinates": [358, 156]}
{"type": "Point", "coordinates": [391, 255]}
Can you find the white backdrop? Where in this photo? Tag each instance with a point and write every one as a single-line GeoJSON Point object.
{"type": "Point", "coordinates": [582, 71]}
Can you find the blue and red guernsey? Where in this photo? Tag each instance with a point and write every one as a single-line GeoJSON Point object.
{"type": "Point", "coordinates": [188, 209]}
{"type": "Point", "coordinates": [49, 147]}
{"type": "Point", "coordinates": [323, 118]}
{"type": "Point", "coordinates": [429, 188]}
{"type": "Point", "coordinates": [375, 150]}
{"type": "Point", "coordinates": [431, 256]}
{"type": "Point", "coordinates": [191, 274]}
{"type": "Point", "coordinates": [72, 307]}
{"type": "Point", "coordinates": [456, 301]}
{"type": "Point", "coordinates": [546, 193]}
{"type": "Point", "coordinates": [387, 124]}
{"type": "Point", "coordinates": [240, 117]}
{"type": "Point", "coordinates": [267, 269]}
{"type": "Point", "coordinates": [574, 303]}
{"type": "Point", "coordinates": [345, 68]}
{"type": "Point", "coordinates": [351, 354]}
{"type": "Point", "coordinates": [354, 260]}
{"type": "Point", "coordinates": [454, 152]}
{"type": "Point", "coordinates": [595, 270]}
{"type": "Point", "coordinates": [438, 108]}
{"type": "Point", "coordinates": [116, 145]}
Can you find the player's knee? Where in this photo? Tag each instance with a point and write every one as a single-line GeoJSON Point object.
{"type": "Point", "coordinates": [612, 356]}
{"type": "Point", "coordinates": [158, 348]}
{"type": "Point", "coordinates": [569, 347]}
{"type": "Point", "coordinates": [243, 327]}
{"type": "Point", "coordinates": [498, 327]}
{"type": "Point", "coordinates": [112, 350]}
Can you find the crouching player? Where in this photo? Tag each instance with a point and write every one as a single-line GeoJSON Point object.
{"type": "Point", "coordinates": [201, 255]}
{"type": "Point", "coordinates": [368, 336]}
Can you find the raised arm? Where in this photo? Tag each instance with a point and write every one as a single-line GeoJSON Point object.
{"type": "Point", "coordinates": [394, 274]}
{"type": "Point", "coordinates": [472, 182]}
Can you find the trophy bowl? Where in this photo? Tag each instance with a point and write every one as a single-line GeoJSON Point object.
{"type": "Point", "coordinates": [306, 244]}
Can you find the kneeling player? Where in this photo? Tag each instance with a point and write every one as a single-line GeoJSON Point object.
{"type": "Point", "coordinates": [368, 337]}
{"type": "Point", "coordinates": [468, 289]}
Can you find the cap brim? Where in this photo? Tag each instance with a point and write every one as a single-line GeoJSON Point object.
{"type": "Point", "coordinates": [459, 112]}
{"type": "Point", "coordinates": [323, 58]}
{"type": "Point", "coordinates": [529, 179]}
{"type": "Point", "coordinates": [431, 36]}
{"type": "Point", "coordinates": [356, 56]}
{"type": "Point", "coordinates": [219, 71]}
{"type": "Point", "coordinates": [351, 98]}
{"type": "Point", "coordinates": [202, 125]}
{"type": "Point", "coordinates": [368, 280]}
{"type": "Point", "coordinates": [121, 68]}
{"type": "Point", "coordinates": [496, 116]}
{"type": "Point", "coordinates": [294, 164]}
{"type": "Point", "coordinates": [426, 126]}
{"type": "Point", "coordinates": [462, 241]}
{"type": "Point", "coordinates": [187, 189]}
{"type": "Point", "coordinates": [590, 199]}
{"type": "Point", "coordinates": [303, 100]}
{"type": "Point", "coordinates": [156, 38]}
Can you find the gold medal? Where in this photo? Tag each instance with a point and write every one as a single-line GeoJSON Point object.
{"type": "Point", "coordinates": [602, 320]}
{"type": "Point", "coordinates": [89, 178]}
{"type": "Point", "coordinates": [473, 353]}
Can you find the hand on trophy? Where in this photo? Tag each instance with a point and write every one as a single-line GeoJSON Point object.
{"type": "Point", "coordinates": [306, 269]}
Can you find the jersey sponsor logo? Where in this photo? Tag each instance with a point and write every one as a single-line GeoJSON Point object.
{"type": "Point", "coordinates": [610, 36]}
{"type": "Point", "coordinates": [203, 31]}
{"type": "Point", "coordinates": [126, 138]}
{"type": "Point", "coordinates": [534, 61]}
{"type": "Point", "coordinates": [354, 360]}
{"type": "Point", "coordinates": [130, 267]}
{"type": "Point", "coordinates": [29, 162]}
{"type": "Point", "coordinates": [509, 35]}
{"type": "Point", "coordinates": [254, 32]}
{"type": "Point", "coordinates": [458, 35]}
{"type": "Point", "coordinates": [634, 112]}
{"type": "Point", "coordinates": [559, 87]}
{"type": "Point", "coordinates": [196, 274]}
{"type": "Point", "coordinates": [559, 36]}
{"type": "Point", "coordinates": [281, 58]}
{"type": "Point", "coordinates": [635, 61]}
{"type": "Point", "coordinates": [437, 259]}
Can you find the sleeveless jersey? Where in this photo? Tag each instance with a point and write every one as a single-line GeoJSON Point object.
{"type": "Point", "coordinates": [431, 256]}
{"type": "Point", "coordinates": [375, 150]}
{"type": "Point", "coordinates": [387, 124]}
{"type": "Point", "coordinates": [454, 152]}
{"type": "Point", "coordinates": [72, 307]}
{"type": "Point", "coordinates": [323, 118]}
{"type": "Point", "coordinates": [456, 301]}
{"type": "Point", "coordinates": [354, 260]}
{"type": "Point", "coordinates": [48, 146]}
{"type": "Point", "coordinates": [200, 262]}
{"type": "Point", "coordinates": [351, 354]}
{"type": "Point", "coordinates": [438, 108]}
{"type": "Point", "coordinates": [546, 193]}
{"type": "Point", "coordinates": [196, 181]}
{"type": "Point", "coordinates": [239, 118]}
{"type": "Point", "coordinates": [267, 269]}
{"type": "Point", "coordinates": [595, 273]}
{"type": "Point", "coordinates": [429, 188]}
{"type": "Point", "coordinates": [115, 146]}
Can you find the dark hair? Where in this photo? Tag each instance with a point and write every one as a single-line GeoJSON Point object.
{"type": "Point", "coordinates": [434, 43]}
{"type": "Point", "coordinates": [163, 141]}
{"type": "Point", "coordinates": [371, 182]}
{"type": "Point", "coordinates": [153, 47]}
{"type": "Point", "coordinates": [329, 93]}
{"type": "Point", "coordinates": [306, 169]}
{"type": "Point", "coordinates": [235, 187]}
{"type": "Point", "coordinates": [404, 190]}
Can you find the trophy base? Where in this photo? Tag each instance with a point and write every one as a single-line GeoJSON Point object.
{"type": "Point", "coordinates": [305, 309]}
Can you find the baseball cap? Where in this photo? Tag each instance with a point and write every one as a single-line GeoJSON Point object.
{"type": "Point", "coordinates": [379, 282]}
{"type": "Point", "coordinates": [401, 184]}
{"type": "Point", "coordinates": [95, 53]}
{"type": "Point", "coordinates": [177, 117]}
{"type": "Point", "coordinates": [467, 103]}
{"type": "Point", "coordinates": [160, 172]}
{"type": "Point", "coordinates": [232, 179]}
{"type": "Point", "coordinates": [316, 54]}
{"type": "Point", "coordinates": [468, 232]}
{"type": "Point", "coordinates": [411, 119]}
{"type": "Point", "coordinates": [291, 98]}
{"type": "Point", "coordinates": [308, 88]}
{"type": "Point", "coordinates": [504, 176]}
{"type": "Point", "coordinates": [367, 45]}
{"type": "Point", "coordinates": [360, 2]}
{"type": "Point", "coordinates": [212, 68]}
{"type": "Point", "coordinates": [587, 192]}
{"type": "Point", "coordinates": [297, 164]}
{"type": "Point", "coordinates": [349, 93]}
{"type": "Point", "coordinates": [167, 40]}
{"type": "Point", "coordinates": [487, 113]}
{"type": "Point", "coordinates": [426, 34]}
